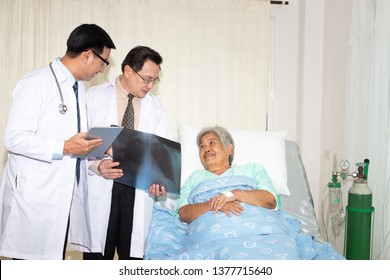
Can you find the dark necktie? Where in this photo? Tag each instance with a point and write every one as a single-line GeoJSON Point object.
{"type": "Point", "coordinates": [76, 92]}
{"type": "Point", "coordinates": [128, 116]}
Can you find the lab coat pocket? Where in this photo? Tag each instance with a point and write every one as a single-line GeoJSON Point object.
{"type": "Point", "coordinates": [41, 184]}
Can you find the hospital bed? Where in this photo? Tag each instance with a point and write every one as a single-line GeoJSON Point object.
{"type": "Point", "coordinates": [170, 239]}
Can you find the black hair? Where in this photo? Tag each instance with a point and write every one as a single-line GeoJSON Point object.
{"type": "Point", "coordinates": [88, 36]}
{"type": "Point", "coordinates": [137, 56]}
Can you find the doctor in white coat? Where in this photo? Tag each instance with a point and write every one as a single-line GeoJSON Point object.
{"type": "Point", "coordinates": [108, 200]}
{"type": "Point", "coordinates": [41, 136]}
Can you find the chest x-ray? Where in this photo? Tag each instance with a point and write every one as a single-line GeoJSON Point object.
{"type": "Point", "coordinates": [148, 159]}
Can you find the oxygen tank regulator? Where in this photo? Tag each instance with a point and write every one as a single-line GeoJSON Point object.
{"type": "Point", "coordinates": [334, 215]}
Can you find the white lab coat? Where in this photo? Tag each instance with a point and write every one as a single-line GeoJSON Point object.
{"type": "Point", "coordinates": [89, 217]}
{"type": "Point", "coordinates": [36, 190]}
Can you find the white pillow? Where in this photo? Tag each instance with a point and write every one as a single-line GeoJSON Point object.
{"type": "Point", "coordinates": [267, 148]}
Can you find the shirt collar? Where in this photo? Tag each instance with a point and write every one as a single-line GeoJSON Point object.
{"type": "Point", "coordinates": [69, 77]}
{"type": "Point", "coordinates": [122, 92]}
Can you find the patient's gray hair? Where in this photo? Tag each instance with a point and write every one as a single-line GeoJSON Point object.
{"type": "Point", "coordinates": [224, 136]}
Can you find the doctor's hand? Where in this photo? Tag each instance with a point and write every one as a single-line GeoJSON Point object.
{"type": "Point", "coordinates": [78, 145]}
{"type": "Point", "coordinates": [108, 169]}
{"type": "Point", "coordinates": [156, 190]}
{"type": "Point", "coordinates": [109, 152]}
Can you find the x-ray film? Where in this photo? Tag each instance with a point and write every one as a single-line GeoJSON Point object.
{"type": "Point", "coordinates": [147, 159]}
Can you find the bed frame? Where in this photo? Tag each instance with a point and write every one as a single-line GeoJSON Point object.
{"type": "Point", "coordinates": [300, 202]}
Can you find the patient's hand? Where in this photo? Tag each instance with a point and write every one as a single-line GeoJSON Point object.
{"type": "Point", "coordinates": [232, 207]}
{"type": "Point", "coordinates": [108, 170]}
{"type": "Point", "coordinates": [156, 190]}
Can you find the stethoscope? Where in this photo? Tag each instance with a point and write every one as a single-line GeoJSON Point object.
{"type": "Point", "coordinates": [62, 108]}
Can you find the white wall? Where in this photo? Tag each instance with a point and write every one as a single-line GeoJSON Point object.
{"type": "Point", "coordinates": [297, 79]}
{"type": "Point", "coordinates": [311, 45]}
{"type": "Point", "coordinates": [284, 104]}
{"type": "Point", "coordinates": [338, 16]}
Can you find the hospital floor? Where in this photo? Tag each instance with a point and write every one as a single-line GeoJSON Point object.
{"type": "Point", "coordinates": [70, 254]}
{"type": "Point", "coordinates": [75, 255]}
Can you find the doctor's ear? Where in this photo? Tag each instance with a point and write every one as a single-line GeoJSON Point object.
{"type": "Point", "coordinates": [87, 55]}
{"type": "Point", "coordinates": [127, 70]}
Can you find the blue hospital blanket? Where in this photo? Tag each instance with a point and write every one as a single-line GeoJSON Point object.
{"type": "Point", "coordinates": [257, 234]}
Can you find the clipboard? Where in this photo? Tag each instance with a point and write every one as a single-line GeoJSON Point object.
{"type": "Point", "coordinates": [108, 134]}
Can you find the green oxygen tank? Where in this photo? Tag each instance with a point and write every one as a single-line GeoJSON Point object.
{"type": "Point", "coordinates": [359, 225]}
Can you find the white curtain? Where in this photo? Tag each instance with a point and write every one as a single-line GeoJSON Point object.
{"type": "Point", "coordinates": [215, 52]}
{"type": "Point", "coordinates": [367, 115]}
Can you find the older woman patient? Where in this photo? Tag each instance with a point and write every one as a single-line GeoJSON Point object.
{"type": "Point", "coordinates": [216, 152]}
{"type": "Point", "coordinates": [214, 224]}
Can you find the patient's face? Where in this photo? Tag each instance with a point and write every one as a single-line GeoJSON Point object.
{"type": "Point", "coordinates": [213, 154]}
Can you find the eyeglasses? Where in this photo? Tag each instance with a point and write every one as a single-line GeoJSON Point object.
{"type": "Point", "coordinates": [146, 81]}
{"type": "Point", "coordinates": [105, 61]}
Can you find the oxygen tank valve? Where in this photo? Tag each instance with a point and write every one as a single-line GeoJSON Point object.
{"type": "Point", "coordinates": [360, 172]}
